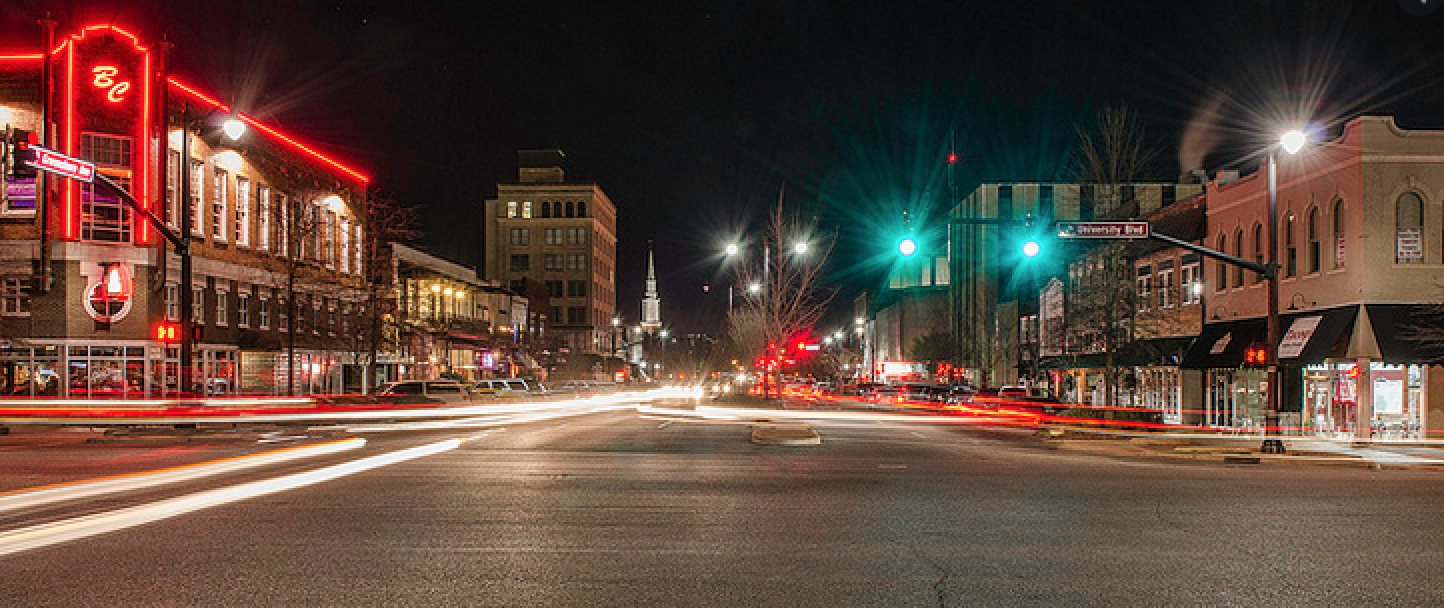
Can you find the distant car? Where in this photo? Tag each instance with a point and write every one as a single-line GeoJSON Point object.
{"type": "Point", "coordinates": [502, 387]}
{"type": "Point", "coordinates": [1013, 391]}
{"type": "Point", "coordinates": [423, 391]}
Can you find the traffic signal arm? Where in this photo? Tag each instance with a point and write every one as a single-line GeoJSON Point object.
{"type": "Point", "coordinates": [1264, 270]}
{"type": "Point", "coordinates": [170, 235]}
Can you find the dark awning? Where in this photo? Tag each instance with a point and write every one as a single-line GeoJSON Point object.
{"type": "Point", "coordinates": [1221, 345]}
{"type": "Point", "coordinates": [1399, 330]}
{"type": "Point", "coordinates": [1155, 351]}
{"type": "Point", "coordinates": [1328, 339]}
{"type": "Point", "coordinates": [1305, 338]}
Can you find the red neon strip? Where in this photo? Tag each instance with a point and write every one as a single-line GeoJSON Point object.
{"type": "Point", "coordinates": [270, 131]}
{"type": "Point", "coordinates": [143, 165]}
{"type": "Point", "coordinates": [68, 204]}
{"type": "Point", "coordinates": [35, 57]}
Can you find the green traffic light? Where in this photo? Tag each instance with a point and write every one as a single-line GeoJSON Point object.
{"type": "Point", "coordinates": [1032, 248]}
{"type": "Point", "coordinates": [907, 247]}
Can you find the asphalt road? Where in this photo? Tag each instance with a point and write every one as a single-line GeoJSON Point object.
{"type": "Point", "coordinates": [616, 510]}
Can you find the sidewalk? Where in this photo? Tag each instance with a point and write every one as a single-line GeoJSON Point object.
{"type": "Point", "coordinates": [1245, 450]}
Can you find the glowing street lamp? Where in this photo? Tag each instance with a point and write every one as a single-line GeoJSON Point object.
{"type": "Point", "coordinates": [754, 288]}
{"type": "Point", "coordinates": [907, 247]}
{"type": "Point", "coordinates": [234, 128]}
{"type": "Point", "coordinates": [1032, 248]}
{"type": "Point", "coordinates": [733, 249]}
{"type": "Point", "coordinates": [800, 248]}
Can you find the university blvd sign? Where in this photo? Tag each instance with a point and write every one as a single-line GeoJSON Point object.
{"type": "Point", "coordinates": [46, 159]}
{"type": "Point", "coordinates": [1104, 230]}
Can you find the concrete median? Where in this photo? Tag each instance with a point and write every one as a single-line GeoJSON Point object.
{"type": "Point", "coordinates": [787, 433]}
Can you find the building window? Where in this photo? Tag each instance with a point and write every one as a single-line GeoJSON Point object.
{"type": "Point", "coordinates": [263, 314]}
{"type": "Point", "coordinates": [554, 289]}
{"type": "Point", "coordinates": [243, 211]}
{"type": "Point", "coordinates": [283, 315]}
{"type": "Point", "coordinates": [554, 236]}
{"type": "Point", "coordinates": [103, 216]}
{"type": "Point", "coordinates": [581, 208]}
{"type": "Point", "coordinates": [520, 236]}
{"type": "Point", "coordinates": [316, 318]}
{"type": "Point", "coordinates": [1291, 248]}
{"type": "Point", "coordinates": [1312, 227]}
{"type": "Point", "coordinates": [221, 307]}
{"type": "Point", "coordinates": [1192, 282]}
{"type": "Point", "coordinates": [219, 204]}
{"type": "Point", "coordinates": [576, 262]}
{"type": "Point", "coordinates": [518, 285]}
{"type": "Point", "coordinates": [263, 218]}
{"type": "Point", "coordinates": [576, 289]}
{"type": "Point", "coordinates": [197, 190]}
{"type": "Point", "coordinates": [15, 296]}
{"type": "Point", "coordinates": [172, 182]}
{"type": "Point", "coordinates": [1238, 253]}
{"type": "Point", "coordinates": [546, 209]}
{"type": "Point", "coordinates": [553, 262]}
{"type": "Point", "coordinates": [576, 315]}
{"type": "Point", "coordinates": [198, 305]}
{"type": "Point", "coordinates": [1258, 250]}
{"type": "Point", "coordinates": [358, 249]}
{"type": "Point", "coordinates": [243, 310]}
{"type": "Point", "coordinates": [1145, 292]}
{"type": "Point", "coordinates": [345, 253]}
{"type": "Point", "coordinates": [576, 236]}
{"type": "Point", "coordinates": [1409, 235]}
{"type": "Point", "coordinates": [1165, 286]}
{"type": "Point", "coordinates": [571, 209]}
{"type": "Point", "coordinates": [1221, 275]}
{"type": "Point", "coordinates": [520, 263]}
{"type": "Point", "coordinates": [526, 210]}
{"type": "Point", "coordinates": [1338, 217]}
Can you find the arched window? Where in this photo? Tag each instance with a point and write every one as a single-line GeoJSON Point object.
{"type": "Point", "coordinates": [1258, 249]}
{"type": "Point", "coordinates": [1312, 227]}
{"type": "Point", "coordinates": [1238, 253]}
{"type": "Point", "coordinates": [1409, 236]}
{"type": "Point", "coordinates": [571, 209]}
{"type": "Point", "coordinates": [1291, 248]}
{"type": "Point", "coordinates": [1221, 277]}
{"type": "Point", "coordinates": [1338, 218]}
{"type": "Point", "coordinates": [546, 209]}
{"type": "Point", "coordinates": [581, 208]}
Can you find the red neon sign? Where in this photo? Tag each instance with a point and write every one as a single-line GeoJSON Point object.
{"type": "Point", "coordinates": [105, 79]}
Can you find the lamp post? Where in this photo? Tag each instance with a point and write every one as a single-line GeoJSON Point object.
{"type": "Point", "coordinates": [1291, 142]}
{"type": "Point", "coordinates": [766, 290]}
{"type": "Point", "coordinates": [234, 129]}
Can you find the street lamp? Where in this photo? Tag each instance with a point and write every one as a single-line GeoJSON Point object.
{"type": "Point", "coordinates": [733, 249]}
{"type": "Point", "coordinates": [234, 128]}
{"type": "Point", "coordinates": [800, 248]}
{"type": "Point", "coordinates": [754, 287]}
{"type": "Point", "coordinates": [907, 247]}
{"type": "Point", "coordinates": [1291, 142]}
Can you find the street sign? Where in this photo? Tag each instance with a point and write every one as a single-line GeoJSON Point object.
{"type": "Point", "coordinates": [49, 160]}
{"type": "Point", "coordinates": [1104, 230]}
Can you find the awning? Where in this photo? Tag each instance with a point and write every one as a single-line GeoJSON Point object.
{"type": "Point", "coordinates": [1305, 338]}
{"type": "Point", "coordinates": [1139, 353]}
{"type": "Point", "coordinates": [1222, 344]}
{"type": "Point", "coordinates": [1408, 333]}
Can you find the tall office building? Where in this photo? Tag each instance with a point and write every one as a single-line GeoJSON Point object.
{"type": "Point", "coordinates": [562, 235]}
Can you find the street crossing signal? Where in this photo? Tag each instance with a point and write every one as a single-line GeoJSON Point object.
{"type": "Point", "coordinates": [1254, 356]}
{"type": "Point", "coordinates": [20, 142]}
{"type": "Point", "coordinates": [167, 333]}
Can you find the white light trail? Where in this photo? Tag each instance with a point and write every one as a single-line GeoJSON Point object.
{"type": "Point", "coordinates": [460, 410]}
{"type": "Point", "coordinates": [42, 535]}
{"type": "Point", "coordinates": [34, 497]}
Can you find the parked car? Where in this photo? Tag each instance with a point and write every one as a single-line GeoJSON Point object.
{"type": "Point", "coordinates": [502, 387]}
{"type": "Point", "coordinates": [423, 391]}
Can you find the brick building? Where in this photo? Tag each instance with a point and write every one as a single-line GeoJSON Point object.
{"type": "Point", "coordinates": [563, 236]}
{"type": "Point", "coordinates": [277, 227]}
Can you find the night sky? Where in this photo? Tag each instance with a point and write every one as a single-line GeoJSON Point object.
{"type": "Point", "coordinates": [692, 115]}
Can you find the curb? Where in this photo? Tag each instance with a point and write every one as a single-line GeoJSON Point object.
{"type": "Point", "coordinates": [1234, 458]}
{"type": "Point", "coordinates": [785, 434]}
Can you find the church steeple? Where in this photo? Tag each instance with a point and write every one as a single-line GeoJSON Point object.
{"type": "Point", "coordinates": [651, 303]}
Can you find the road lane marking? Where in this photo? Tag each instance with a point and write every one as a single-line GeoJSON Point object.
{"type": "Point", "coordinates": [85, 488]}
{"type": "Point", "coordinates": [42, 535]}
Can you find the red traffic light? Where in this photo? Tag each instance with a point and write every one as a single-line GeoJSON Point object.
{"type": "Point", "coordinates": [167, 332]}
{"type": "Point", "coordinates": [1254, 356]}
{"type": "Point", "coordinates": [952, 158]}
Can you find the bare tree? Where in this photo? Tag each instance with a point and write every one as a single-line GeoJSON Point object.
{"type": "Point", "coordinates": [791, 297]}
{"type": "Point", "coordinates": [1101, 302]}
